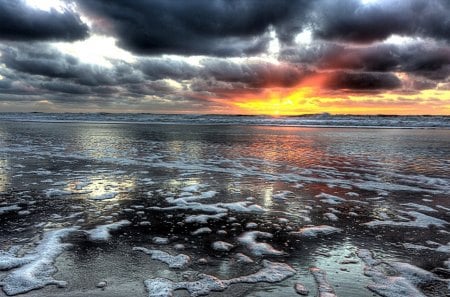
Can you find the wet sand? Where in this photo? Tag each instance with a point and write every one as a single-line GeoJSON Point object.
{"type": "Point", "coordinates": [382, 190]}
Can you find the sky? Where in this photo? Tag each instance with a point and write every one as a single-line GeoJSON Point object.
{"type": "Point", "coordinates": [274, 57]}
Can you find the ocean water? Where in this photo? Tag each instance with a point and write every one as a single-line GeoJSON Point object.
{"type": "Point", "coordinates": [104, 205]}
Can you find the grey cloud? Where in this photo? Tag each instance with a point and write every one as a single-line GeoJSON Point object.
{"type": "Point", "coordinates": [197, 27]}
{"type": "Point", "coordinates": [43, 60]}
{"type": "Point", "coordinates": [354, 21]}
{"type": "Point", "coordinates": [19, 22]}
{"type": "Point", "coordinates": [63, 87]}
{"type": "Point", "coordinates": [365, 81]}
{"type": "Point", "coordinates": [427, 59]}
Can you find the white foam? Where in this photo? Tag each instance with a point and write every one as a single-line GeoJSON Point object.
{"type": "Point", "coordinates": [203, 218]}
{"type": "Point", "coordinates": [101, 233]}
{"type": "Point", "coordinates": [393, 286]}
{"type": "Point", "coordinates": [160, 240]}
{"type": "Point", "coordinates": [323, 286]}
{"type": "Point", "coordinates": [271, 272]}
{"type": "Point", "coordinates": [415, 275]}
{"type": "Point", "coordinates": [36, 271]}
{"type": "Point", "coordinates": [243, 207]}
{"type": "Point", "coordinates": [243, 258]}
{"type": "Point", "coordinates": [177, 262]}
{"type": "Point", "coordinates": [248, 239]}
{"type": "Point", "coordinates": [316, 231]}
{"type": "Point", "coordinates": [331, 216]}
{"type": "Point", "coordinates": [222, 246]}
{"type": "Point", "coordinates": [301, 289]}
{"type": "Point", "coordinates": [159, 287]}
{"type": "Point", "coordinates": [193, 188]}
{"type": "Point", "coordinates": [421, 221]}
{"type": "Point", "coordinates": [104, 196]}
{"type": "Point", "coordinates": [420, 207]}
{"type": "Point", "coordinates": [204, 230]}
{"type": "Point", "coordinates": [441, 248]}
{"type": "Point", "coordinates": [9, 260]}
{"type": "Point", "coordinates": [10, 208]}
{"type": "Point", "coordinates": [189, 197]}
{"type": "Point", "coordinates": [283, 195]}
{"type": "Point", "coordinates": [56, 192]}
{"type": "Point", "coordinates": [330, 199]}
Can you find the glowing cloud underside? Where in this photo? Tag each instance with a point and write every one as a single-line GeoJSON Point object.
{"type": "Point", "coordinates": [310, 97]}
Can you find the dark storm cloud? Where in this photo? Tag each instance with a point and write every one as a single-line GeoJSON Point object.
{"type": "Point", "coordinates": [197, 27]}
{"type": "Point", "coordinates": [365, 81]}
{"type": "Point", "coordinates": [63, 87]}
{"type": "Point", "coordinates": [160, 68]}
{"type": "Point", "coordinates": [43, 60]}
{"type": "Point", "coordinates": [20, 22]}
{"type": "Point", "coordinates": [254, 73]}
{"type": "Point", "coordinates": [354, 21]}
{"type": "Point", "coordinates": [427, 59]}
{"type": "Point", "coordinates": [419, 58]}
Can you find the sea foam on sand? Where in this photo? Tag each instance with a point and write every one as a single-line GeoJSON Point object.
{"type": "Point", "coordinates": [315, 231]}
{"type": "Point", "coordinates": [177, 262]}
{"type": "Point", "coordinates": [403, 284]}
{"type": "Point", "coordinates": [271, 272]}
{"type": "Point", "coordinates": [35, 270]}
{"type": "Point", "coordinates": [101, 233]}
{"type": "Point", "coordinates": [248, 239]}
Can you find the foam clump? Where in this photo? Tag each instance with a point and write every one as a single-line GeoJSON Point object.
{"type": "Point", "coordinates": [324, 287]}
{"type": "Point", "coordinates": [10, 208]}
{"type": "Point", "coordinates": [271, 272]}
{"type": "Point", "coordinates": [160, 240]}
{"type": "Point", "coordinates": [221, 246]}
{"type": "Point", "coordinates": [243, 206]}
{"type": "Point", "coordinates": [35, 271]}
{"type": "Point", "coordinates": [104, 196]}
{"type": "Point", "coordinates": [159, 287]}
{"type": "Point", "coordinates": [420, 221]}
{"type": "Point", "coordinates": [330, 199]}
{"type": "Point", "coordinates": [315, 231]}
{"type": "Point", "coordinates": [102, 233]}
{"type": "Point", "coordinates": [9, 260]}
{"type": "Point", "coordinates": [243, 258]}
{"type": "Point", "coordinates": [200, 231]}
{"type": "Point", "coordinates": [400, 285]}
{"type": "Point", "coordinates": [204, 218]}
{"type": "Point", "coordinates": [283, 195]}
{"type": "Point", "coordinates": [56, 192]}
{"type": "Point", "coordinates": [248, 239]}
{"type": "Point", "coordinates": [177, 262]}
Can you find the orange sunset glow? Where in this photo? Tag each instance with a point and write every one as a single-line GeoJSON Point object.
{"type": "Point", "coordinates": [361, 57]}
{"type": "Point", "coordinates": [309, 97]}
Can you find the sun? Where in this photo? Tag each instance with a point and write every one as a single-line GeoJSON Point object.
{"type": "Point", "coordinates": [299, 99]}
{"type": "Point", "coordinates": [277, 102]}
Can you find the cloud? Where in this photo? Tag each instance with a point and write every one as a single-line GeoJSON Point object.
{"type": "Point", "coordinates": [365, 81]}
{"type": "Point", "coordinates": [44, 60]}
{"type": "Point", "coordinates": [355, 21]}
{"type": "Point", "coordinates": [20, 22]}
{"type": "Point", "coordinates": [160, 68]}
{"type": "Point", "coordinates": [422, 58]}
{"type": "Point", "coordinates": [200, 27]}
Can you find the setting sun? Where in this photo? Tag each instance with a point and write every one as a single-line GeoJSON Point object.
{"type": "Point", "coordinates": [274, 102]}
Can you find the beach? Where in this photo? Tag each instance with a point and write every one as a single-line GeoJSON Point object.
{"type": "Point", "coordinates": [126, 208]}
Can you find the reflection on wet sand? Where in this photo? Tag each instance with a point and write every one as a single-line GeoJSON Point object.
{"type": "Point", "coordinates": [4, 174]}
{"type": "Point", "coordinates": [226, 197]}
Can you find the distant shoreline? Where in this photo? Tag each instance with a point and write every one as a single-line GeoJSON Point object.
{"type": "Point", "coordinates": [319, 121]}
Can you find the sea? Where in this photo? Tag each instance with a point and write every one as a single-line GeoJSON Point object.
{"type": "Point", "coordinates": [192, 205]}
